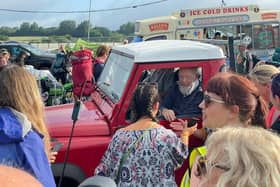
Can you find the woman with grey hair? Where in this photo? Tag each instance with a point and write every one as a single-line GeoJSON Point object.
{"type": "Point", "coordinates": [241, 157]}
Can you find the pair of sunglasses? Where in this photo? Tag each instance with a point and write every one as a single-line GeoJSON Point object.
{"type": "Point", "coordinates": [202, 168]}
{"type": "Point", "coordinates": [208, 100]}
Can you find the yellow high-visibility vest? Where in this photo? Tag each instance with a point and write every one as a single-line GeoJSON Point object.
{"type": "Point", "coordinates": [199, 151]}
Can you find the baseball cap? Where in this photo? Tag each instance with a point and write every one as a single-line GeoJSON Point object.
{"type": "Point", "coordinates": [4, 51]}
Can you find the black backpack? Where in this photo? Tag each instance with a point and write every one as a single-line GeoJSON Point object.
{"type": "Point", "coordinates": [59, 65]}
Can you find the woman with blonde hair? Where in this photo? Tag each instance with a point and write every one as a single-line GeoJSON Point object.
{"type": "Point", "coordinates": [24, 138]}
{"type": "Point", "coordinates": [241, 157]}
{"type": "Point", "coordinates": [261, 76]}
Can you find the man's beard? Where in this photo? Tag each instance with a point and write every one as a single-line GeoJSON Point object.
{"type": "Point", "coordinates": [188, 90]}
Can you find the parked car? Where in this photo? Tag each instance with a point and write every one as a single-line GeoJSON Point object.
{"type": "Point", "coordinates": [39, 58]}
{"type": "Point", "coordinates": [105, 112]}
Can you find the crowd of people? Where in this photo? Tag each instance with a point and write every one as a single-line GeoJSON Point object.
{"type": "Point", "coordinates": [59, 77]}
{"type": "Point", "coordinates": [60, 67]}
{"type": "Point", "coordinates": [131, 158]}
{"type": "Point", "coordinates": [250, 107]}
{"type": "Point", "coordinates": [24, 138]}
{"type": "Point", "coordinates": [240, 116]}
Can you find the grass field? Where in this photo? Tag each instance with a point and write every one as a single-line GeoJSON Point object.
{"type": "Point", "coordinates": [32, 39]}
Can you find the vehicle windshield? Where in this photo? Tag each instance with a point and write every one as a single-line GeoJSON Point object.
{"type": "Point", "coordinates": [115, 75]}
{"type": "Point", "coordinates": [35, 50]}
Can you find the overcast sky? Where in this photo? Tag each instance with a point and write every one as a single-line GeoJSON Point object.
{"type": "Point", "coordinates": [110, 19]}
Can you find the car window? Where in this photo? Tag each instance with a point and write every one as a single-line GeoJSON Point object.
{"type": "Point", "coordinates": [15, 51]}
{"type": "Point", "coordinates": [34, 50]}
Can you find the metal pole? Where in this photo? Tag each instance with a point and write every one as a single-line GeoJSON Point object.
{"type": "Point", "coordinates": [89, 15]}
{"type": "Point", "coordinates": [223, 4]}
{"type": "Point", "coordinates": [231, 54]}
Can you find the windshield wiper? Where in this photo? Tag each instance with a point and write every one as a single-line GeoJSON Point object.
{"type": "Point", "coordinates": [104, 86]}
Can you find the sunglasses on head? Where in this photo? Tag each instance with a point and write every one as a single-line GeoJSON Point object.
{"type": "Point", "coordinates": [208, 100]}
{"type": "Point", "coordinates": [202, 166]}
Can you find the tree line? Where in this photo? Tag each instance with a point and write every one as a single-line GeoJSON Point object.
{"type": "Point", "coordinates": [68, 29]}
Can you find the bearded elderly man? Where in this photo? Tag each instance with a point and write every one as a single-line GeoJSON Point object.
{"type": "Point", "coordinates": [184, 97]}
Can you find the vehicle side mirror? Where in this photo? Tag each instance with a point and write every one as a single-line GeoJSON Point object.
{"type": "Point", "coordinates": [98, 181]}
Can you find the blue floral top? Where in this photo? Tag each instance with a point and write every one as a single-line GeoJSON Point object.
{"type": "Point", "coordinates": [151, 161]}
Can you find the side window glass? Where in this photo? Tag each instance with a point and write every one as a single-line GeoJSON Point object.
{"type": "Point", "coordinates": [180, 90]}
{"type": "Point", "coordinates": [184, 96]}
{"type": "Point", "coordinates": [165, 78]}
{"type": "Point", "coordinates": [15, 52]}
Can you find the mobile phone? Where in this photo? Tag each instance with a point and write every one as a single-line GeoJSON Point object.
{"type": "Point", "coordinates": [192, 122]}
{"type": "Point", "coordinates": [57, 146]}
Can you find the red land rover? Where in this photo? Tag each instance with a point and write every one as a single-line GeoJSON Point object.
{"type": "Point", "coordinates": [100, 117]}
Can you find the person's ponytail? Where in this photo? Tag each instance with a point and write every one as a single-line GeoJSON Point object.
{"type": "Point", "coordinates": [259, 116]}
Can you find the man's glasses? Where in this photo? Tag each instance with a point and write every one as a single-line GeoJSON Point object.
{"type": "Point", "coordinates": [208, 100]}
{"type": "Point", "coordinates": [202, 166]}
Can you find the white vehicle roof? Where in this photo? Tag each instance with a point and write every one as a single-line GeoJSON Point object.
{"type": "Point", "coordinates": [149, 20]}
{"type": "Point", "coordinates": [170, 50]}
